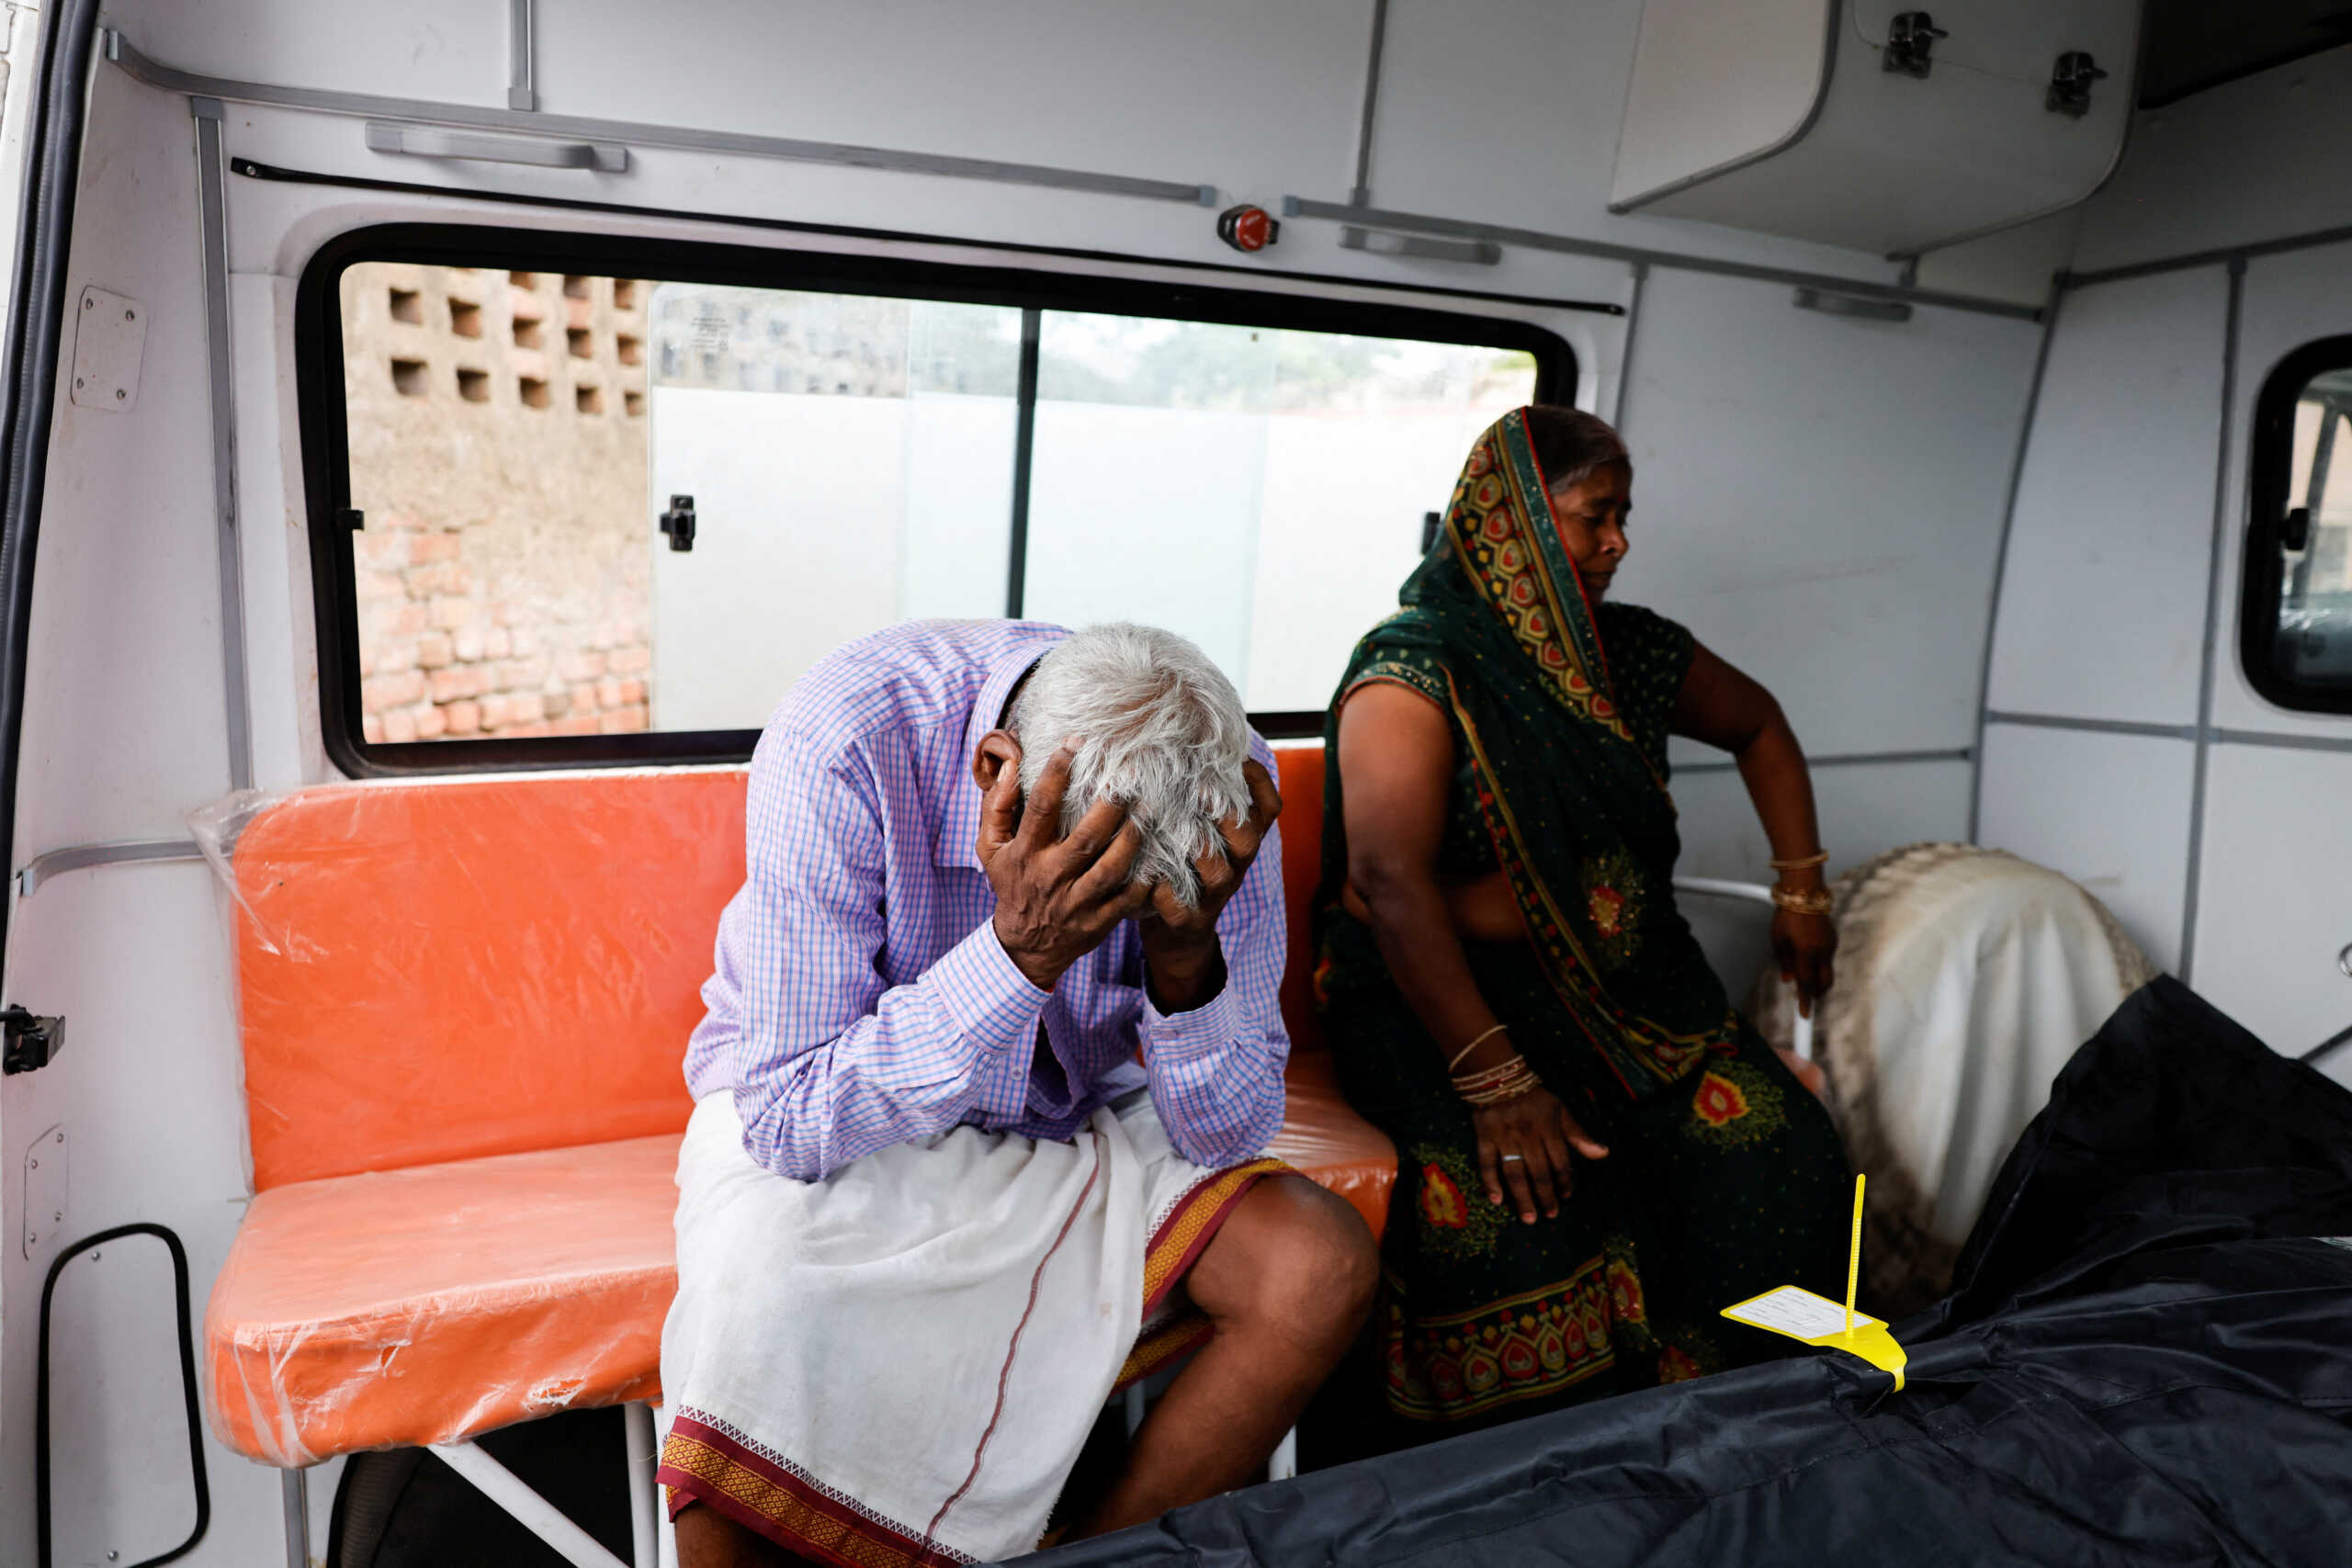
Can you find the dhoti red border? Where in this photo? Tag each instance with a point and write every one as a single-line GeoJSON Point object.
{"type": "Point", "coordinates": [706, 1460]}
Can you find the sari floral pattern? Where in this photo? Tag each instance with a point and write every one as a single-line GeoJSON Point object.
{"type": "Point", "coordinates": [1456, 1220]}
{"type": "Point", "coordinates": [1615, 899]}
{"type": "Point", "coordinates": [1736, 1104]}
{"type": "Point", "coordinates": [1508, 1352]}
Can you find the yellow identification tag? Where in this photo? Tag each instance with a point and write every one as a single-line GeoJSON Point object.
{"type": "Point", "coordinates": [1817, 1320]}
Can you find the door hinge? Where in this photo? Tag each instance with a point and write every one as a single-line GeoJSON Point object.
{"type": "Point", "coordinates": [32, 1042]}
{"type": "Point", "coordinates": [2070, 84]}
{"type": "Point", "coordinates": [679, 522]}
{"type": "Point", "coordinates": [1911, 44]}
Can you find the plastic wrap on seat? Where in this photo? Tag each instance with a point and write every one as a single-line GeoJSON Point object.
{"type": "Point", "coordinates": [427, 1304]}
{"type": "Point", "coordinates": [1323, 1138]}
{"type": "Point", "coordinates": [442, 970]}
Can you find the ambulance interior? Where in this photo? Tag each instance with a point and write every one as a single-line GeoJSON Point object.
{"type": "Point", "coordinates": [437, 435]}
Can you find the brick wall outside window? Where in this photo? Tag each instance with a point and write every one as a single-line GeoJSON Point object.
{"type": "Point", "coordinates": [498, 455]}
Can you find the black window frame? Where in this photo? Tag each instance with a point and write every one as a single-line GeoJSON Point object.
{"type": "Point", "coordinates": [2270, 476]}
{"type": "Point", "coordinates": [324, 423]}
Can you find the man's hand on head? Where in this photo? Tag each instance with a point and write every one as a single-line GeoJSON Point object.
{"type": "Point", "coordinates": [1057, 896]}
{"type": "Point", "coordinates": [1184, 964]}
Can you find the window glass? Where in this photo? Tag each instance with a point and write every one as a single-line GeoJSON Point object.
{"type": "Point", "coordinates": [597, 505]}
{"type": "Point", "coordinates": [2312, 647]}
{"type": "Point", "coordinates": [851, 464]}
{"type": "Point", "coordinates": [1263, 491]}
{"type": "Point", "coordinates": [2295, 609]}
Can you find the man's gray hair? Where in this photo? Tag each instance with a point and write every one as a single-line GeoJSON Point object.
{"type": "Point", "coordinates": [1158, 726]}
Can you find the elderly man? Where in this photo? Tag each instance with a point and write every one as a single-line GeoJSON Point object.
{"type": "Point", "coordinates": [992, 1047]}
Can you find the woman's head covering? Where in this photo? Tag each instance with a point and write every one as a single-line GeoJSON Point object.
{"type": "Point", "coordinates": [1560, 743]}
{"type": "Point", "coordinates": [1500, 546]}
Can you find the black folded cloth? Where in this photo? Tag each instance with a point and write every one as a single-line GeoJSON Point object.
{"type": "Point", "coordinates": [2146, 1358]}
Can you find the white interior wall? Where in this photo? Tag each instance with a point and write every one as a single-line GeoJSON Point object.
{"type": "Point", "coordinates": [2109, 810]}
{"type": "Point", "coordinates": [1819, 499]}
{"type": "Point", "coordinates": [2102, 609]}
{"type": "Point", "coordinates": [1884, 450]}
{"type": "Point", "coordinates": [2114, 553]}
{"type": "Point", "coordinates": [2275, 899]}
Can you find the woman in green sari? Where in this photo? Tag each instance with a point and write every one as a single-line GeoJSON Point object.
{"type": "Point", "coordinates": [1596, 1153]}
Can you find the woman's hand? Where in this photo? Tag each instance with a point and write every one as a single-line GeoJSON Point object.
{"type": "Point", "coordinates": [1804, 945]}
{"type": "Point", "coordinates": [1523, 1145]}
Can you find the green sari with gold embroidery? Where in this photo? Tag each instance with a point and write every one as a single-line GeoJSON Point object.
{"type": "Point", "coordinates": [1724, 1175]}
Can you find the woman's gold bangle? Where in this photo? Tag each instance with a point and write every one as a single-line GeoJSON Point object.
{"type": "Point", "coordinates": [1804, 901]}
{"type": "Point", "coordinates": [1801, 862]}
{"type": "Point", "coordinates": [1494, 1085]}
{"type": "Point", "coordinates": [1474, 1045]}
{"type": "Point", "coordinates": [1488, 1076]}
{"type": "Point", "coordinates": [1524, 1083]}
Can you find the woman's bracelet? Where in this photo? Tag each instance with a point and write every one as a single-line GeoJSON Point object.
{"type": "Point", "coordinates": [1804, 901]}
{"type": "Point", "coordinates": [1524, 1084]}
{"type": "Point", "coordinates": [1801, 862]}
{"type": "Point", "coordinates": [1474, 1045]}
{"type": "Point", "coordinates": [1508, 1081]}
{"type": "Point", "coordinates": [1465, 1082]}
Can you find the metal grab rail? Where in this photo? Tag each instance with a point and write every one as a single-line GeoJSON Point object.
{"type": "Point", "coordinates": [1800, 1037]}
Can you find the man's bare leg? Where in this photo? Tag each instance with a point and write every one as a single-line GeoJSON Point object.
{"type": "Point", "coordinates": [1286, 1280]}
{"type": "Point", "coordinates": [708, 1538]}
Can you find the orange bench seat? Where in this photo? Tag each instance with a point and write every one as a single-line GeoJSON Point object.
{"type": "Point", "coordinates": [464, 1004]}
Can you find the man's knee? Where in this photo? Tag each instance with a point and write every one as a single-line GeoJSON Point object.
{"type": "Point", "coordinates": [1304, 1264]}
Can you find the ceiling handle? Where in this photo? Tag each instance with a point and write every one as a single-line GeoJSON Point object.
{"type": "Point", "coordinates": [494, 147]}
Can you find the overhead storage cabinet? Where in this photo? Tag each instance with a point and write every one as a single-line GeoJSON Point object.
{"type": "Point", "coordinates": [1873, 124]}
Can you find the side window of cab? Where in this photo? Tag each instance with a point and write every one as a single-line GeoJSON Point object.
{"type": "Point", "coordinates": [2295, 618]}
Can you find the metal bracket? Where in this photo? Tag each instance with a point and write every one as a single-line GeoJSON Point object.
{"type": "Point", "coordinates": [44, 1191]}
{"type": "Point", "coordinates": [679, 522]}
{"type": "Point", "coordinates": [1911, 44]}
{"type": "Point", "coordinates": [109, 343]}
{"type": "Point", "coordinates": [2070, 84]}
{"type": "Point", "coordinates": [522, 86]}
{"type": "Point", "coordinates": [32, 1042]}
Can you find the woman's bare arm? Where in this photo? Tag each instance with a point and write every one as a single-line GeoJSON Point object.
{"type": "Point", "coordinates": [1397, 755]}
{"type": "Point", "coordinates": [1725, 708]}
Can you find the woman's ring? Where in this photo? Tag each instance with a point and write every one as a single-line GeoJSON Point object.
{"type": "Point", "coordinates": [1521, 1158]}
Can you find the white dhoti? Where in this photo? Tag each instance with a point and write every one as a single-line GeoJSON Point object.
{"type": "Point", "coordinates": [898, 1364]}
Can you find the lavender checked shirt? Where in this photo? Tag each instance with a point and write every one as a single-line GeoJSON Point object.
{"type": "Point", "coordinates": [861, 998]}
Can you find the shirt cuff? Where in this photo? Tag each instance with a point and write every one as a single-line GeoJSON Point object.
{"type": "Point", "coordinates": [992, 1003]}
{"type": "Point", "coordinates": [1206, 1028]}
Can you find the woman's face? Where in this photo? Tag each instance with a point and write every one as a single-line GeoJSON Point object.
{"type": "Point", "coordinates": [1591, 514]}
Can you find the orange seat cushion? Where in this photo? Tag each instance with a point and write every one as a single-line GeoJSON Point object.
{"type": "Point", "coordinates": [465, 1007]}
{"type": "Point", "coordinates": [432, 972]}
{"type": "Point", "coordinates": [427, 1304]}
{"type": "Point", "coordinates": [1299, 775]}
